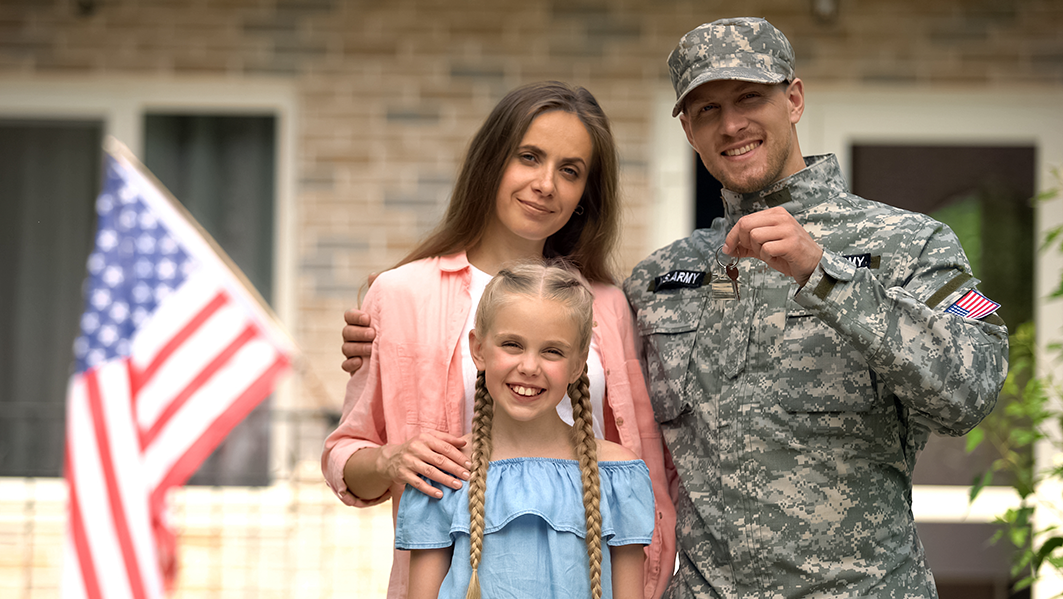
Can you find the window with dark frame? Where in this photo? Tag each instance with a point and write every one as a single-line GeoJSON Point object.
{"type": "Point", "coordinates": [49, 178]}
{"type": "Point", "coordinates": [221, 167]}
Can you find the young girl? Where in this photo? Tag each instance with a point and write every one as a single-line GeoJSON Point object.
{"type": "Point", "coordinates": [531, 523]}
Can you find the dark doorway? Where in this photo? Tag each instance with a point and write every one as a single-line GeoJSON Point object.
{"type": "Point", "coordinates": [983, 193]}
{"type": "Point", "coordinates": [708, 204]}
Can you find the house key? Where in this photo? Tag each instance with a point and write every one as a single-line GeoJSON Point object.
{"type": "Point", "coordinates": [732, 273]}
{"type": "Point", "coordinates": [719, 285]}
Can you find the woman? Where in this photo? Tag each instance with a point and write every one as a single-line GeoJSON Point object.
{"type": "Point", "coordinates": [539, 180]}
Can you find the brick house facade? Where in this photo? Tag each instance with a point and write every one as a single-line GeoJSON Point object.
{"type": "Point", "coordinates": [379, 100]}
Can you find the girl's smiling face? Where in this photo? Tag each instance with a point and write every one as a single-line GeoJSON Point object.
{"type": "Point", "coordinates": [529, 355]}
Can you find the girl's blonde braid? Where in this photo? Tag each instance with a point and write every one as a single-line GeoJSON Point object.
{"type": "Point", "coordinates": [587, 452]}
{"type": "Point", "coordinates": [483, 414]}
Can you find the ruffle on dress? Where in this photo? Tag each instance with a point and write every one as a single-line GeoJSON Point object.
{"type": "Point", "coordinates": [550, 489]}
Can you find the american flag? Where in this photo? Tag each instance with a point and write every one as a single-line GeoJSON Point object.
{"type": "Point", "coordinates": [174, 351]}
{"type": "Point", "coordinates": [973, 305]}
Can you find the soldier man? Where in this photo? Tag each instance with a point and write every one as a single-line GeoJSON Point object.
{"type": "Point", "coordinates": [800, 351]}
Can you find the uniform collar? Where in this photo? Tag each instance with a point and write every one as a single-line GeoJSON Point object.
{"type": "Point", "coordinates": [820, 179]}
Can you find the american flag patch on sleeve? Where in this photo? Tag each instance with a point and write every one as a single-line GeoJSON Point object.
{"type": "Point", "coordinates": [973, 305]}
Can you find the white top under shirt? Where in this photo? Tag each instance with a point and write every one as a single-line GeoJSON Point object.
{"type": "Point", "coordinates": [564, 409]}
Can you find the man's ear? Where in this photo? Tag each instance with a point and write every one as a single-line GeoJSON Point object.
{"type": "Point", "coordinates": [685, 122]}
{"type": "Point", "coordinates": [476, 350]}
{"type": "Point", "coordinates": [795, 95]}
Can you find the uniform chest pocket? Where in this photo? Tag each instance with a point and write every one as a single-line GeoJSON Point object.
{"type": "Point", "coordinates": [819, 371]}
{"type": "Point", "coordinates": [669, 329]}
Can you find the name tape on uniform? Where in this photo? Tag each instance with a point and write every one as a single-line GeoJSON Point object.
{"type": "Point", "coordinates": [678, 279]}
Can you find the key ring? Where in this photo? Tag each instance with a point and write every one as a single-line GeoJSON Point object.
{"type": "Point", "coordinates": [731, 264]}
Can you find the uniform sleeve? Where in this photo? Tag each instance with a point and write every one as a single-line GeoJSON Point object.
{"type": "Point", "coordinates": [947, 369]}
{"type": "Point", "coordinates": [362, 422]}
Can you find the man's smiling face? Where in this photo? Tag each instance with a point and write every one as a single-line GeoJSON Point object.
{"type": "Point", "coordinates": [744, 132]}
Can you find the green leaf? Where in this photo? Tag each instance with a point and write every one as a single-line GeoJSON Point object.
{"type": "Point", "coordinates": [1018, 536]}
{"type": "Point", "coordinates": [979, 483]}
{"type": "Point", "coordinates": [974, 439]}
{"type": "Point", "coordinates": [1022, 564]}
{"type": "Point", "coordinates": [1045, 550]}
{"type": "Point", "coordinates": [1058, 291]}
{"type": "Point", "coordinates": [1051, 236]}
{"type": "Point", "coordinates": [1024, 561]}
{"type": "Point", "coordinates": [1023, 437]}
{"type": "Point", "coordinates": [1055, 472]}
{"type": "Point", "coordinates": [999, 534]}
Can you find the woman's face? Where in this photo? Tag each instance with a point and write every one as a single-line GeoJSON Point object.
{"type": "Point", "coordinates": [543, 181]}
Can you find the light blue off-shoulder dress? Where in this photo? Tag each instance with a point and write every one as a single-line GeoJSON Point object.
{"type": "Point", "coordinates": [533, 527]}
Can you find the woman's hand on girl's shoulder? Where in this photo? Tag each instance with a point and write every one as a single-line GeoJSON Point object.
{"type": "Point", "coordinates": [433, 454]}
{"type": "Point", "coordinates": [467, 448]}
{"type": "Point", "coordinates": [614, 452]}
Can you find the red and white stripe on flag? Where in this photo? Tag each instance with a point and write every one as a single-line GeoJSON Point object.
{"type": "Point", "coordinates": [174, 351]}
{"type": "Point", "coordinates": [973, 305]}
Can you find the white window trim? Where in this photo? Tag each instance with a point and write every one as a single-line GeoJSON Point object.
{"type": "Point", "coordinates": [120, 103]}
{"type": "Point", "coordinates": [672, 175]}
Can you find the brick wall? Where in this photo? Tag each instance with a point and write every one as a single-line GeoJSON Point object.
{"type": "Point", "coordinates": [390, 92]}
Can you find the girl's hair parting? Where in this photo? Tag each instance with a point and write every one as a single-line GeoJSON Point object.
{"type": "Point", "coordinates": [557, 282]}
{"type": "Point", "coordinates": [586, 240]}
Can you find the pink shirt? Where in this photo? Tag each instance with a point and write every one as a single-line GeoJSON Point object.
{"type": "Point", "coordinates": [418, 311]}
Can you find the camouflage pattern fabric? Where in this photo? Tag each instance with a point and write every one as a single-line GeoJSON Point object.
{"type": "Point", "coordinates": [743, 49]}
{"type": "Point", "coordinates": [794, 417]}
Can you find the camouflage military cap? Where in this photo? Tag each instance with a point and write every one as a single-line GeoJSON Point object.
{"type": "Point", "coordinates": [744, 49]}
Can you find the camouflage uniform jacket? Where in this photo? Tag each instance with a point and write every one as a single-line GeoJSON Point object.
{"type": "Point", "coordinates": [794, 416]}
